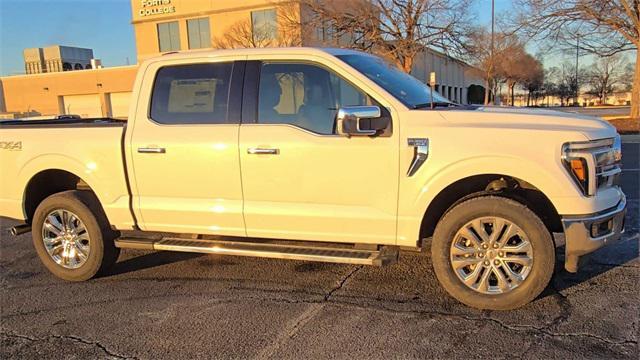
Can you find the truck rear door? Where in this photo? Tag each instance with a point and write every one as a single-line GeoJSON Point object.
{"type": "Point", "coordinates": [184, 148]}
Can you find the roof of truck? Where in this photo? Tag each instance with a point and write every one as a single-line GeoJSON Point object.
{"type": "Point", "coordinates": [259, 51]}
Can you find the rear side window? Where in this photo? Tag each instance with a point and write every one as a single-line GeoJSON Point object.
{"type": "Point", "coordinates": [191, 94]}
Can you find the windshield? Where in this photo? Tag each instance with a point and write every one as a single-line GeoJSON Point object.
{"type": "Point", "coordinates": [410, 91]}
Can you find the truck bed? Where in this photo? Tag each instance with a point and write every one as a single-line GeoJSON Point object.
{"type": "Point", "coordinates": [91, 149]}
{"type": "Point", "coordinates": [66, 122]}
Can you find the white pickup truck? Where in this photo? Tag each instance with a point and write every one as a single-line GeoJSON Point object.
{"type": "Point", "coordinates": [321, 155]}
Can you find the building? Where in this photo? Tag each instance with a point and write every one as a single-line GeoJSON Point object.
{"type": "Point", "coordinates": [56, 58]}
{"type": "Point", "coordinates": [454, 78]}
{"type": "Point", "coordinates": [162, 26]}
{"type": "Point", "coordinates": [34, 61]}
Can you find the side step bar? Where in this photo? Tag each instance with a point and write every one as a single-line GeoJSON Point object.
{"type": "Point", "coordinates": [384, 256]}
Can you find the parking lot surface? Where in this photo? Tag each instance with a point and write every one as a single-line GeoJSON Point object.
{"type": "Point", "coordinates": [176, 305]}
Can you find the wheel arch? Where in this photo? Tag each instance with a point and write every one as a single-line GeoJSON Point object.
{"type": "Point", "coordinates": [48, 182]}
{"type": "Point", "coordinates": [489, 184]}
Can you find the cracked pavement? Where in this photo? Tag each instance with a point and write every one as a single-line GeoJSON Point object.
{"type": "Point", "coordinates": [190, 305]}
{"type": "Point", "coordinates": [180, 305]}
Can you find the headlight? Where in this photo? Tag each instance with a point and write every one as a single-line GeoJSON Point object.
{"type": "Point", "coordinates": [593, 164]}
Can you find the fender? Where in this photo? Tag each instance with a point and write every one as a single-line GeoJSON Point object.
{"type": "Point", "coordinates": [540, 177]}
{"type": "Point", "coordinates": [412, 206]}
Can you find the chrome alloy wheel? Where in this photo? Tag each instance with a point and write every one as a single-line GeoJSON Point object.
{"type": "Point", "coordinates": [491, 255]}
{"type": "Point", "coordinates": [66, 239]}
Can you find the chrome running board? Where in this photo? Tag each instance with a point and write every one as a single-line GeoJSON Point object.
{"type": "Point", "coordinates": [384, 256]}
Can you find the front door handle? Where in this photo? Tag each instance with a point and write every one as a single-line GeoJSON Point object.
{"type": "Point", "coordinates": [152, 150]}
{"type": "Point", "coordinates": [262, 151]}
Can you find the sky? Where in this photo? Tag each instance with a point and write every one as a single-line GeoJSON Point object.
{"type": "Point", "coordinates": [102, 25]}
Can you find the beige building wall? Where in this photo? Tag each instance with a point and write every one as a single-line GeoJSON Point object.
{"type": "Point", "coordinates": [43, 94]}
{"type": "Point", "coordinates": [453, 77]}
{"type": "Point", "coordinates": [222, 15]}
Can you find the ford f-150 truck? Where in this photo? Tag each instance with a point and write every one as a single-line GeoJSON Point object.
{"type": "Point", "coordinates": [322, 155]}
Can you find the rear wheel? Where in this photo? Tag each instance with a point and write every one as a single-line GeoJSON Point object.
{"type": "Point", "coordinates": [72, 236]}
{"type": "Point", "coordinates": [493, 253]}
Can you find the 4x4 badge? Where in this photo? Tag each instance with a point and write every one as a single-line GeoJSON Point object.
{"type": "Point", "coordinates": [11, 145]}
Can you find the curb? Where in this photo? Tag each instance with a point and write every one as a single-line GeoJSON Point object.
{"type": "Point", "coordinates": [630, 138]}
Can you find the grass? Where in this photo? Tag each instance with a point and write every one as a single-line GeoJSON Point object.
{"type": "Point", "coordinates": [624, 125]}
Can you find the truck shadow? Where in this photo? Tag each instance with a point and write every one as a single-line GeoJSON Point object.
{"type": "Point", "coordinates": [623, 254]}
{"type": "Point", "coordinates": [148, 261]}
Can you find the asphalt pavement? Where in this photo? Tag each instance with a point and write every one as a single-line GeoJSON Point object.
{"type": "Point", "coordinates": [176, 305]}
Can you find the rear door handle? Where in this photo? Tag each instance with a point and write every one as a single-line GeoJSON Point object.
{"type": "Point", "coordinates": [262, 151]}
{"type": "Point", "coordinates": [152, 150]}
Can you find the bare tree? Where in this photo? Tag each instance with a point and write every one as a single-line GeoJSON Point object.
{"type": "Point", "coordinates": [605, 27]}
{"type": "Point", "coordinates": [562, 81]}
{"type": "Point", "coordinates": [395, 29]}
{"type": "Point", "coordinates": [519, 68]}
{"type": "Point", "coordinates": [606, 74]}
{"type": "Point", "coordinates": [488, 64]}
{"type": "Point", "coordinates": [287, 31]}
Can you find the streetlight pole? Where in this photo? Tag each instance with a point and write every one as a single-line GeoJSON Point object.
{"type": "Point", "coordinates": [493, 10]}
{"type": "Point", "coordinates": [577, 54]}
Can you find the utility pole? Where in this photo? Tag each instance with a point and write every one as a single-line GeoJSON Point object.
{"type": "Point", "coordinates": [577, 54]}
{"type": "Point", "coordinates": [493, 10]}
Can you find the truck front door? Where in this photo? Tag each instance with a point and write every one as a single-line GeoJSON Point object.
{"type": "Point", "coordinates": [185, 167]}
{"type": "Point", "coordinates": [300, 179]}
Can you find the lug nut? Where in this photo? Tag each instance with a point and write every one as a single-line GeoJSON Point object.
{"type": "Point", "coordinates": [487, 263]}
{"type": "Point", "coordinates": [484, 246]}
{"type": "Point", "coordinates": [480, 254]}
{"type": "Point", "coordinates": [496, 262]}
{"type": "Point", "coordinates": [501, 254]}
{"type": "Point", "coordinates": [495, 246]}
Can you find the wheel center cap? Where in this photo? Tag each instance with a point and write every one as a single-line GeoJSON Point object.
{"type": "Point", "coordinates": [491, 254]}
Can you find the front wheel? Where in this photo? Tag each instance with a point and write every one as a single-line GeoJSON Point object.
{"type": "Point", "coordinates": [492, 253]}
{"type": "Point", "coordinates": [72, 236]}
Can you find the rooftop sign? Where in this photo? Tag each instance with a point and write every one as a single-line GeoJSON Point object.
{"type": "Point", "coordinates": [156, 7]}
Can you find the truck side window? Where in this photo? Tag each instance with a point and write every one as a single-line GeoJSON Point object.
{"type": "Point", "coordinates": [304, 95]}
{"type": "Point", "coordinates": [191, 94]}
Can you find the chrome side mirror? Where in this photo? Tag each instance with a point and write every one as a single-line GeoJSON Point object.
{"type": "Point", "coordinates": [348, 121]}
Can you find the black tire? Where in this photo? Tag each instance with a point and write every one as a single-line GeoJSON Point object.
{"type": "Point", "coordinates": [103, 253]}
{"type": "Point", "coordinates": [541, 243]}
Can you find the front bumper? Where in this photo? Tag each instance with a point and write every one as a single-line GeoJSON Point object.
{"type": "Point", "coordinates": [587, 233]}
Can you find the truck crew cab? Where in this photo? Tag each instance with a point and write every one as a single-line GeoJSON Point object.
{"type": "Point", "coordinates": [316, 154]}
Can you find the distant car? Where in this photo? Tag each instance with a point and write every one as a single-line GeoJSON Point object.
{"type": "Point", "coordinates": [51, 117]}
{"type": "Point", "coordinates": [316, 154]}
{"type": "Point", "coordinates": [68, 116]}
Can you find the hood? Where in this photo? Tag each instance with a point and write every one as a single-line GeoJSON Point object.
{"type": "Point", "coordinates": [530, 118]}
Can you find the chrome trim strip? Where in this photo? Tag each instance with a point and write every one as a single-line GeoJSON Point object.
{"type": "Point", "coordinates": [262, 151]}
{"type": "Point", "coordinates": [152, 150]}
{"type": "Point", "coordinates": [569, 219]}
{"type": "Point", "coordinates": [611, 172]}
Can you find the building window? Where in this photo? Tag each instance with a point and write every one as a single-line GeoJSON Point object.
{"type": "Point", "coordinates": [169, 36]}
{"type": "Point", "coordinates": [199, 34]}
{"type": "Point", "coordinates": [325, 33]}
{"type": "Point", "coordinates": [264, 25]}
